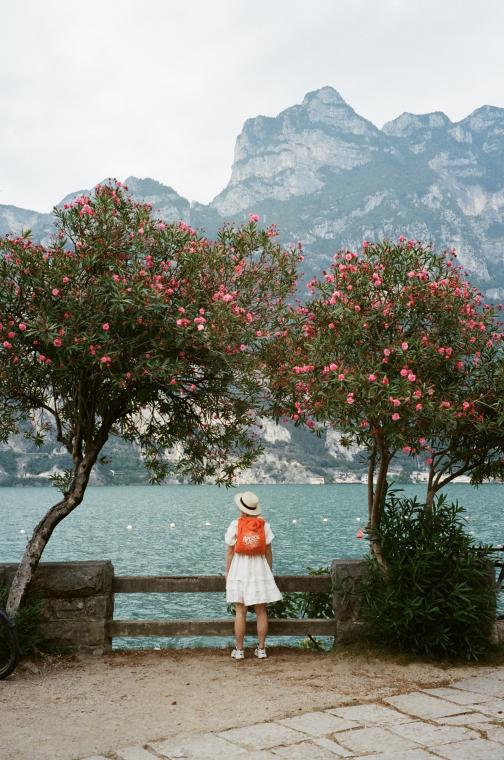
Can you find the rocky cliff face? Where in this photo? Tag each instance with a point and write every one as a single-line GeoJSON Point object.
{"type": "Point", "coordinates": [330, 178]}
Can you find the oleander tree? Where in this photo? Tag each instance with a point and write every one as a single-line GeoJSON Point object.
{"type": "Point", "coordinates": [391, 349]}
{"type": "Point", "coordinates": [128, 326]}
{"type": "Point", "coordinates": [473, 444]}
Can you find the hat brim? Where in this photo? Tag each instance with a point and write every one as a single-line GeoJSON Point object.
{"type": "Point", "coordinates": [244, 509]}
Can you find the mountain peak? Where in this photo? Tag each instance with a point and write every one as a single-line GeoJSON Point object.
{"type": "Point", "coordinates": [324, 95]}
{"type": "Point", "coordinates": [408, 123]}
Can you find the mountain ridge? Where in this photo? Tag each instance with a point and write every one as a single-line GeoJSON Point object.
{"type": "Point", "coordinates": [330, 179]}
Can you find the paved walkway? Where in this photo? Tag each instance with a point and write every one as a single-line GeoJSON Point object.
{"type": "Point", "coordinates": [463, 721]}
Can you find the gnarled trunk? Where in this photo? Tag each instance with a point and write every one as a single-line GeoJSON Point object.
{"type": "Point", "coordinates": [43, 531]}
{"type": "Point", "coordinates": [376, 503]}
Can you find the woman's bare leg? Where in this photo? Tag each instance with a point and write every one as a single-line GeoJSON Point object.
{"type": "Point", "coordinates": [240, 624]}
{"type": "Point", "coordinates": [262, 624]}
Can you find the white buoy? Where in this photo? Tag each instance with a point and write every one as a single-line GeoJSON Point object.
{"type": "Point", "coordinates": [129, 527]}
{"type": "Point", "coordinates": [207, 524]}
{"type": "Point", "coordinates": [172, 525]}
{"type": "Point", "coordinates": [325, 519]}
{"type": "Point", "coordinates": [357, 519]}
{"type": "Point", "coordinates": [22, 530]}
{"type": "Point", "coordinates": [294, 522]}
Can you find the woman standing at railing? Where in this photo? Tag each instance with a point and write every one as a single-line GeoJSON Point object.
{"type": "Point", "coordinates": [249, 580]}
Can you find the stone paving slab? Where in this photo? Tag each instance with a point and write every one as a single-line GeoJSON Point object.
{"type": "Point", "coordinates": [197, 747]}
{"type": "Point", "coordinates": [318, 723]}
{"type": "Point", "coordinates": [459, 696]}
{"type": "Point", "coordinates": [427, 734]}
{"type": "Point", "coordinates": [408, 754]}
{"type": "Point", "coordinates": [482, 685]}
{"type": "Point", "coordinates": [495, 708]}
{"type": "Point", "coordinates": [262, 736]}
{"type": "Point", "coordinates": [472, 749]}
{"type": "Point", "coordinates": [334, 747]}
{"type": "Point", "coordinates": [374, 739]}
{"type": "Point", "coordinates": [134, 753]}
{"type": "Point", "coordinates": [371, 714]}
{"type": "Point", "coordinates": [493, 732]}
{"type": "Point", "coordinates": [465, 719]}
{"type": "Point", "coordinates": [423, 705]}
{"type": "Point", "coordinates": [306, 750]}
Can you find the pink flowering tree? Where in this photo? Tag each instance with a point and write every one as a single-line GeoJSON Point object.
{"type": "Point", "coordinates": [391, 350]}
{"type": "Point", "coordinates": [128, 326]}
{"type": "Point", "coordinates": [473, 444]}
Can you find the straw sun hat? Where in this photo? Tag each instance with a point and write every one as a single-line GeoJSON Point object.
{"type": "Point", "coordinates": [248, 503]}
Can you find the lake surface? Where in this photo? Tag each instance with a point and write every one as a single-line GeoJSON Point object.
{"type": "Point", "coordinates": [133, 527]}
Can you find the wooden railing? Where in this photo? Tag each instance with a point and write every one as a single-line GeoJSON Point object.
{"type": "Point", "coordinates": [125, 584]}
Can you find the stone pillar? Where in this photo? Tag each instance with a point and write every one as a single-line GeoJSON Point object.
{"type": "Point", "coordinates": [346, 575]}
{"type": "Point", "coordinates": [78, 603]}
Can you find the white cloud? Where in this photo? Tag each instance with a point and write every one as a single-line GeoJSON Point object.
{"type": "Point", "coordinates": [162, 88]}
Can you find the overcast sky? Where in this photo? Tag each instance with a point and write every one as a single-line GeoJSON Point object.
{"type": "Point", "coordinates": [161, 88]}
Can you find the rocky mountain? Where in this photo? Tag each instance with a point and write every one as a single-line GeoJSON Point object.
{"type": "Point", "coordinates": [328, 178]}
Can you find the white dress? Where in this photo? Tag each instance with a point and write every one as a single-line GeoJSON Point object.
{"type": "Point", "coordinates": [250, 580]}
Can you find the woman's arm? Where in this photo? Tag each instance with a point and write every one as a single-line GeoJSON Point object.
{"type": "Point", "coordinates": [269, 556]}
{"type": "Point", "coordinates": [229, 557]}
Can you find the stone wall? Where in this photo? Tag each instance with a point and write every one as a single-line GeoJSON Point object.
{"type": "Point", "coordinates": [346, 575]}
{"type": "Point", "coordinates": [78, 603]}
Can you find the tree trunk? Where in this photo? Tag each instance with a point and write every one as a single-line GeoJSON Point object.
{"type": "Point", "coordinates": [370, 482]}
{"type": "Point", "coordinates": [431, 490]}
{"type": "Point", "coordinates": [43, 532]}
{"type": "Point", "coordinates": [377, 506]}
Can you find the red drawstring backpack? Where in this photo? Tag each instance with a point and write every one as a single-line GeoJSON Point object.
{"type": "Point", "coordinates": [251, 538]}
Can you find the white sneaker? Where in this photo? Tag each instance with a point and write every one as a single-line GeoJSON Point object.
{"type": "Point", "coordinates": [238, 654]}
{"type": "Point", "coordinates": [260, 653]}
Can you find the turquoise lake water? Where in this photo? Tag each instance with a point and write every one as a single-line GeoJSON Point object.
{"type": "Point", "coordinates": [326, 521]}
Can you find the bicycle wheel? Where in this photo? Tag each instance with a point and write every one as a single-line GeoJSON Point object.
{"type": "Point", "coordinates": [9, 649]}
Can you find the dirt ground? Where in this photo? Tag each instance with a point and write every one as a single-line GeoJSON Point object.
{"type": "Point", "coordinates": [73, 707]}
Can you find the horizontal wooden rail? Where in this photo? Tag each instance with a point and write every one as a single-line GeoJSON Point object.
{"type": "Point", "coordinates": [223, 627]}
{"type": "Point", "coordinates": [142, 584]}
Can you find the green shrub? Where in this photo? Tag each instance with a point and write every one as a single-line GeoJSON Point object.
{"type": "Point", "coordinates": [438, 597]}
{"type": "Point", "coordinates": [27, 624]}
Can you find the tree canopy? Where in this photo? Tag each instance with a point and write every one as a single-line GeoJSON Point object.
{"type": "Point", "coordinates": [127, 325]}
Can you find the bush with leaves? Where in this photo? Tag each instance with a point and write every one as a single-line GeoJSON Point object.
{"type": "Point", "coordinates": [27, 624]}
{"type": "Point", "coordinates": [438, 596]}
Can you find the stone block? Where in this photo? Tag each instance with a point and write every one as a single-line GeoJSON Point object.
{"type": "Point", "coordinates": [471, 749]}
{"type": "Point", "coordinates": [370, 714]}
{"type": "Point", "coordinates": [198, 747]}
{"type": "Point", "coordinates": [459, 696]}
{"type": "Point", "coordinates": [69, 579]}
{"type": "Point", "coordinates": [486, 685]}
{"type": "Point", "coordinates": [305, 750]}
{"type": "Point", "coordinates": [134, 753]}
{"type": "Point", "coordinates": [407, 754]}
{"type": "Point", "coordinates": [423, 705]}
{"type": "Point", "coordinates": [333, 746]}
{"type": "Point", "coordinates": [495, 708]}
{"type": "Point", "coordinates": [262, 736]}
{"type": "Point", "coordinates": [465, 719]}
{"type": "Point", "coordinates": [374, 739]}
{"type": "Point", "coordinates": [346, 575]}
{"type": "Point", "coordinates": [318, 723]}
{"type": "Point", "coordinates": [427, 734]}
{"type": "Point", "coordinates": [75, 636]}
